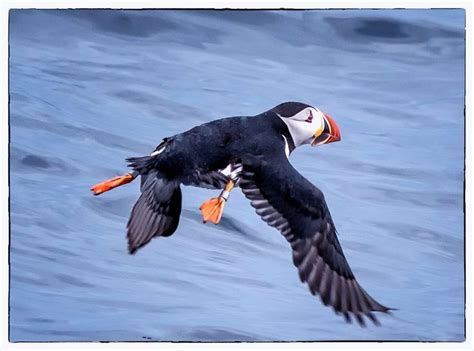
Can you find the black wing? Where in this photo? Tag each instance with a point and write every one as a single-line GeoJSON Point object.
{"type": "Point", "coordinates": [207, 180]}
{"type": "Point", "coordinates": [156, 212]}
{"type": "Point", "coordinates": [287, 201]}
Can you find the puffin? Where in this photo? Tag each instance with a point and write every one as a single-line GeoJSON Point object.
{"type": "Point", "coordinates": [251, 152]}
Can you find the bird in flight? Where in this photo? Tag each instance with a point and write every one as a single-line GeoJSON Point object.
{"type": "Point", "coordinates": [252, 153]}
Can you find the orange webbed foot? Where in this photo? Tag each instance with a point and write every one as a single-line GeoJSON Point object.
{"type": "Point", "coordinates": [112, 183]}
{"type": "Point", "coordinates": [212, 209]}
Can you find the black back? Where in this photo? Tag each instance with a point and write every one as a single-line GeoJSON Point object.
{"type": "Point", "coordinates": [290, 108]}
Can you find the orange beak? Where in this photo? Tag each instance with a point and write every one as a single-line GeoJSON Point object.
{"type": "Point", "coordinates": [334, 133]}
{"type": "Point", "coordinates": [328, 133]}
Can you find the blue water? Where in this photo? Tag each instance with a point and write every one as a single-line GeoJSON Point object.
{"type": "Point", "coordinates": [90, 88]}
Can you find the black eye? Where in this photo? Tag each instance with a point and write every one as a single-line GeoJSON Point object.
{"type": "Point", "coordinates": [309, 119]}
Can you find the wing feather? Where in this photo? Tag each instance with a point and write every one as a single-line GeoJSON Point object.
{"type": "Point", "coordinates": [207, 180]}
{"type": "Point", "coordinates": [287, 201]}
{"type": "Point", "coordinates": [156, 212]}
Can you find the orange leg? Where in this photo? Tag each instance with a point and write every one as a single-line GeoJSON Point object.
{"type": "Point", "coordinates": [112, 183]}
{"type": "Point", "coordinates": [212, 209]}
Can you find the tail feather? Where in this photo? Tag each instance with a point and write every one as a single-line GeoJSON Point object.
{"type": "Point", "coordinates": [156, 213]}
{"type": "Point", "coordinates": [142, 164]}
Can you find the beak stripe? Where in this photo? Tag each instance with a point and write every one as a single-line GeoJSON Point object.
{"type": "Point", "coordinates": [330, 131]}
{"type": "Point", "coordinates": [327, 122]}
{"type": "Point", "coordinates": [335, 134]}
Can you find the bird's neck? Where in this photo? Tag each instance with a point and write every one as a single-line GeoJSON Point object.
{"type": "Point", "coordinates": [281, 128]}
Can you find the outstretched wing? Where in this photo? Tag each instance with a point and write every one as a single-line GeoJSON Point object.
{"type": "Point", "coordinates": [287, 201]}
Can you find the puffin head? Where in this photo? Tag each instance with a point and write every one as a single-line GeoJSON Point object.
{"type": "Point", "coordinates": [307, 124]}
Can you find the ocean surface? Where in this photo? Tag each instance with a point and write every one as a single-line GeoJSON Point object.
{"type": "Point", "coordinates": [90, 88]}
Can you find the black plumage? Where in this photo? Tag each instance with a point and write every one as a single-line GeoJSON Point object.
{"type": "Point", "coordinates": [156, 213]}
{"type": "Point", "coordinates": [281, 196]}
{"type": "Point", "coordinates": [287, 201]}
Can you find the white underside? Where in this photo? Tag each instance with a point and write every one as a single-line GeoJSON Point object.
{"type": "Point", "coordinates": [287, 148]}
{"type": "Point", "coordinates": [233, 174]}
{"type": "Point", "coordinates": [159, 151]}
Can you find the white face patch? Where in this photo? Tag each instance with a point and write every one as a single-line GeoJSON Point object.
{"type": "Point", "coordinates": [304, 124]}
